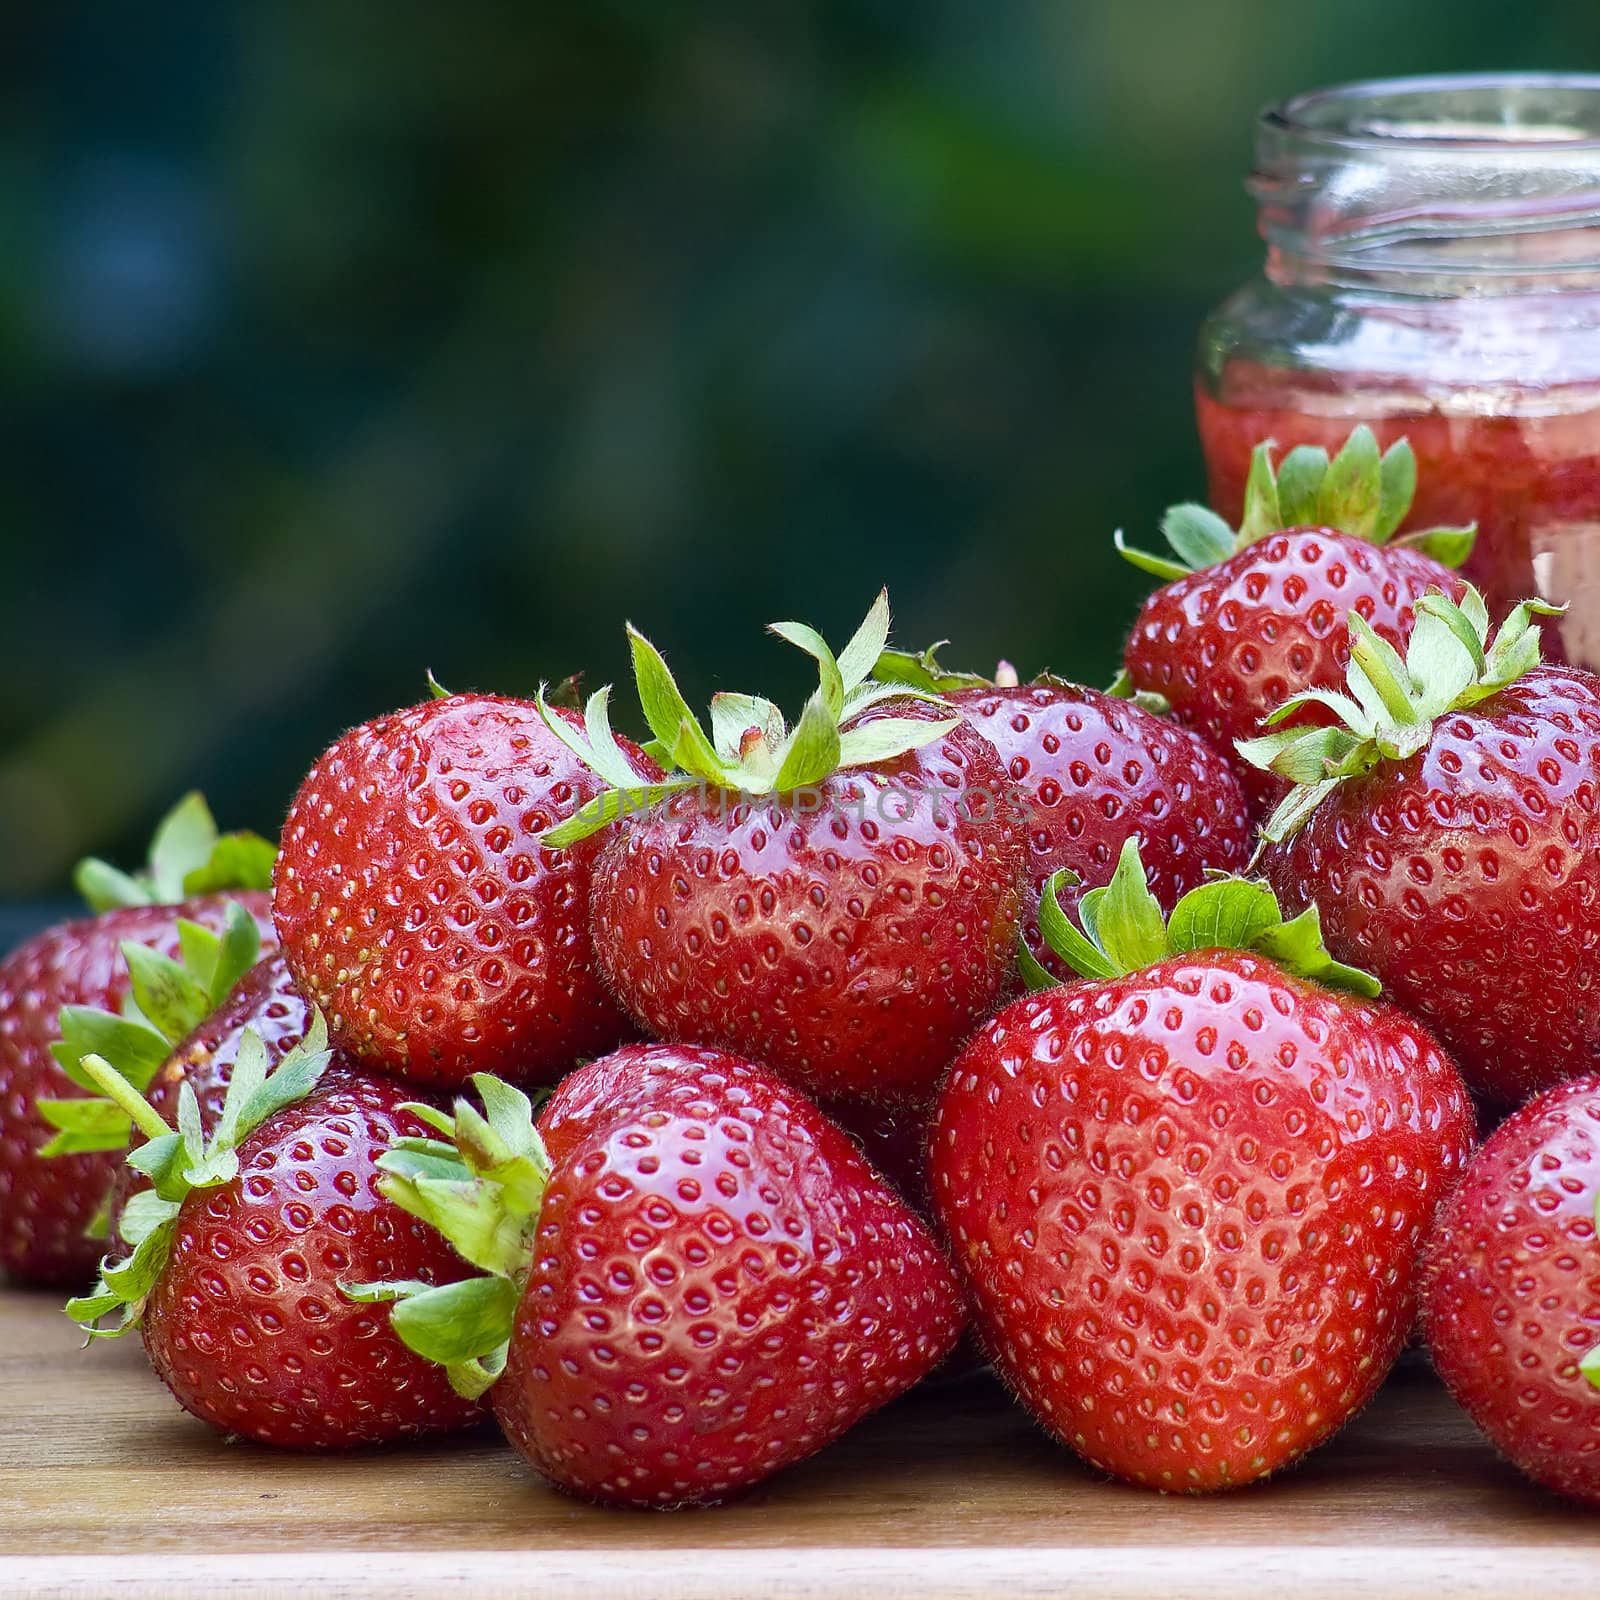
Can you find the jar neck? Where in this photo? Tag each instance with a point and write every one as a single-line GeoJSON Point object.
{"type": "Point", "coordinates": [1292, 266]}
{"type": "Point", "coordinates": [1434, 188]}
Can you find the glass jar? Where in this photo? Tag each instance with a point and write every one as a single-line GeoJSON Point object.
{"type": "Point", "coordinates": [1433, 270]}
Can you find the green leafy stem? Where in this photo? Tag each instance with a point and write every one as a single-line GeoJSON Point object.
{"type": "Point", "coordinates": [188, 856]}
{"type": "Point", "coordinates": [179, 1161]}
{"type": "Point", "coordinates": [1359, 492]}
{"type": "Point", "coordinates": [1121, 929]}
{"type": "Point", "coordinates": [480, 1182]}
{"type": "Point", "coordinates": [1392, 704]}
{"type": "Point", "coordinates": [749, 749]}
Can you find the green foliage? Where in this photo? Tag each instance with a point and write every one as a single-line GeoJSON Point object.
{"type": "Point", "coordinates": [1358, 491]}
{"type": "Point", "coordinates": [1121, 929]}
{"type": "Point", "coordinates": [187, 857]}
{"type": "Point", "coordinates": [764, 756]}
{"type": "Point", "coordinates": [481, 1183]}
{"type": "Point", "coordinates": [1451, 662]}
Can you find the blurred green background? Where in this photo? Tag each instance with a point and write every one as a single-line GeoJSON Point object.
{"type": "Point", "coordinates": [340, 341]}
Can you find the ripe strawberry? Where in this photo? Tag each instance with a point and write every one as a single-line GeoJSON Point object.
{"type": "Point", "coordinates": [417, 908]}
{"type": "Point", "coordinates": [1511, 1289]}
{"type": "Point", "coordinates": [240, 1249]}
{"type": "Point", "coordinates": [695, 1282]}
{"type": "Point", "coordinates": [1094, 770]}
{"type": "Point", "coordinates": [892, 1135]}
{"type": "Point", "coordinates": [1188, 1195]}
{"type": "Point", "coordinates": [49, 1206]}
{"type": "Point", "coordinates": [1251, 617]}
{"type": "Point", "coordinates": [1449, 832]}
{"type": "Point", "coordinates": [839, 901]}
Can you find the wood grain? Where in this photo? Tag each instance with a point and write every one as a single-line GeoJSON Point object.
{"type": "Point", "coordinates": [106, 1488]}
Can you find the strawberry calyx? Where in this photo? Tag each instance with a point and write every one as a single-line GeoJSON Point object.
{"type": "Point", "coordinates": [750, 750]}
{"type": "Point", "coordinates": [923, 670]}
{"type": "Point", "coordinates": [1451, 662]}
{"type": "Point", "coordinates": [481, 1184]}
{"type": "Point", "coordinates": [168, 999]}
{"type": "Point", "coordinates": [1121, 929]}
{"type": "Point", "coordinates": [1358, 492]}
{"type": "Point", "coordinates": [188, 856]}
{"type": "Point", "coordinates": [177, 1162]}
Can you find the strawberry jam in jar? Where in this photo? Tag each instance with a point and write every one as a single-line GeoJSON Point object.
{"type": "Point", "coordinates": [1433, 270]}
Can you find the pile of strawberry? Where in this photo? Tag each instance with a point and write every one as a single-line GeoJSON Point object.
{"type": "Point", "coordinates": [677, 1104]}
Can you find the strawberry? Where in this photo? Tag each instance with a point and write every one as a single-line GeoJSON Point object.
{"type": "Point", "coordinates": [1188, 1195]}
{"type": "Point", "coordinates": [1511, 1289]}
{"type": "Point", "coordinates": [1095, 769]}
{"type": "Point", "coordinates": [241, 1245]}
{"type": "Point", "coordinates": [416, 907]}
{"type": "Point", "coordinates": [1250, 617]}
{"type": "Point", "coordinates": [1448, 829]}
{"type": "Point", "coordinates": [893, 1135]}
{"type": "Point", "coordinates": [839, 901]}
{"type": "Point", "coordinates": [49, 1207]}
{"type": "Point", "coordinates": [694, 1278]}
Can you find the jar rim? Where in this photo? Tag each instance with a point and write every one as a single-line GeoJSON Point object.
{"type": "Point", "coordinates": [1343, 116]}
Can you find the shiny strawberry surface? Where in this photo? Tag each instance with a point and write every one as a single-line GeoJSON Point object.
{"type": "Point", "coordinates": [1095, 770]}
{"type": "Point", "coordinates": [247, 1324]}
{"type": "Point", "coordinates": [721, 1284]}
{"type": "Point", "coordinates": [1468, 879]}
{"type": "Point", "coordinates": [417, 908]}
{"type": "Point", "coordinates": [1232, 642]}
{"type": "Point", "coordinates": [1188, 1205]}
{"type": "Point", "coordinates": [851, 936]}
{"type": "Point", "coordinates": [1511, 1298]}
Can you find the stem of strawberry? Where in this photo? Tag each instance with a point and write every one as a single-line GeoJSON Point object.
{"type": "Point", "coordinates": [481, 1185]}
{"type": "Point", "coordinates": [1451, 662]}
{"type": "Point", "coordinates": [1121, 929]}
{"type": "Point", "coordinates": [179, 1161]}
{"type": "Point", "coordinates": [115, 1087]}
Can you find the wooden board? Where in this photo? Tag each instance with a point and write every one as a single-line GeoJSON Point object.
{"type": "Point", "coordinates": [107, 1488]}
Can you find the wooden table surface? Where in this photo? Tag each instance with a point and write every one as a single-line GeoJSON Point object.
{"type": "Point", "coordinates": [107, 1488]}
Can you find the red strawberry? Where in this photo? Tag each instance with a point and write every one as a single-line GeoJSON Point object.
{"type": "Point", "coordinates": [416, 907]}
{"type": "Point", "coordinates": [1449, 832]}
{"type": "Point", "coordinates": [1252, 617]}
{"type": "Point", "coordinates": [894, 1138]}
{"type": "Point", "coordinates": [48, 1205]}
{"type": "Point", "coordinates": [1094, 770]}
{"type": "Point", "coordinates": [839, 901]}
{"type": "Point", "coordinates": [892, 1135]}
{"type": "Point", "coordinates": [697, 1282]}
{"type": "Point", "coordinates": [1188, 1195]}
{"type": "Point", "coordinates": [1511, 1289]}
{"type": "Point", "coordinates": [241, 1251]}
